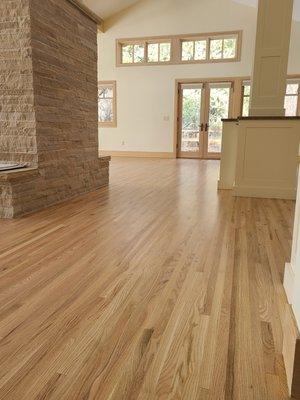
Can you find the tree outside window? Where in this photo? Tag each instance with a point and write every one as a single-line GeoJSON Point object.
{"type": "Point", "coordinates": [107, 103]}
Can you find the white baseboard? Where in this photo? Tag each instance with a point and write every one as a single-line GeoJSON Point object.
{"type": "Point", "coordinates": [138, 154]}
{"type": "Point", "coordinates": [265, 192]}
{"type": "Point", "coordinates": [289, 281]}
{"type": "Point", "coordinates": [224, 185]}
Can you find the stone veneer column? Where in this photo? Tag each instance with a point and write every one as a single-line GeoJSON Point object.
{"type": "Point", "coordinates": [49, 112]}
{"type": "Point", "coordinates": [17, 117]}
{"type": "Point", "coordinates": [271, 57]}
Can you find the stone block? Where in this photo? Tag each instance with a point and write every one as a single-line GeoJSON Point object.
{"type": "Point", "coordinates": [48, 104]}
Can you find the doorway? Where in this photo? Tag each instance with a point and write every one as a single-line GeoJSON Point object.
{"type": "Point", "coordinates": [201, 107]}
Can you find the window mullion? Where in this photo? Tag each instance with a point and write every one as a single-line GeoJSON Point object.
{"type": "Point", "coordinates": [222, 49]}
{"type": "Point", "coordinates": [208, 49]}
{"type": "Point", "coordinates": [158, 55]}
{"type": "Point", "coordinates": [145, 52]}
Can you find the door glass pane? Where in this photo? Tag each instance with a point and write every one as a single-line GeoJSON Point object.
{"type": "Point", "coordinates": [191, 109]}
{"type": "Point", "coordinates": [218, 109]}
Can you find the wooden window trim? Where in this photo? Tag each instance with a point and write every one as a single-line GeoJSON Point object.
{"type": "Point", "coordinates": [113, 123]}
{"type": "Point", "coordinates": [294, 95]}
{"type": "Point", "coordinates": [176, 48]}
{"type": "Point", "coordinates": [133, 43]}
{"type": "Point", "coordinates": [222, 38]}
{"type": "Point", "coordinates": [296, 77]}
{"type": "Point", "coordinates": [205, 81]}
{"type": "Point", "coordinates": [243, 95]}
{"type": "Point", "coordinates": [247, 78]}
{"type": "Point", "coordinates": [235, 108]}
{"type": "Point", "coordinates": [194, 40]}
{"type": "Point", "coordinates": [159, 42]}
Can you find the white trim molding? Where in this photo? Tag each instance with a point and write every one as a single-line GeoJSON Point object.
{"type": "Point", "coordinates": [289, 281]}
{"type": "Point", "coordinates": [266, 159]}
{"type": "Point", "coordinates": [292, 315]}
{"type": "Point", "coordinates": [138, 154]}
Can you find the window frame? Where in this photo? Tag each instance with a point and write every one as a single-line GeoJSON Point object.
{"type": "Point", "coordinates": [133, 43]}
{"type": "Point", "coordinates": [224, 37]}
{"type": "Point", "coordinates": [289, 79]}
{"type": "Point", "coordinates": [176, 48]}
{"type": "Point", "coordinates": [294, 81]}
{"type": "Point", "coordinates": [120, 43]}
{"type": "Point", "coordinates": [194, 40]}
{"type": "Point", "coordinates": [159, 42]}
{"type": "Point", "coordinates": [245, 82]}
{"type": "Point", "coordinates": [113, 123]}
{"type": "Point", "coordinates": [208, 38]}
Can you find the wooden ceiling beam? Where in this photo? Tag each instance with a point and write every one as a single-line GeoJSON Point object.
{"type": "Point", "coordinates": [94, 17]}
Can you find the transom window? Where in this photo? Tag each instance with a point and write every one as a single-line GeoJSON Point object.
{"type": "Point", "coordinates": [223, 48]}
{"type": "Point", "coordinates": [107, 103]}
{"type": "Point", "coordinates": [193, 50]}
{"type": "Point", "coordinates": [291, 101]}
{"type": "Point", "coordinates": [211, 49]}
{"type": "Point", "coordinates": [159, 52]}
{"type": "Point", "coordinates": [133, 53]}
{"type": "Point", "coordinates": [147, 52]}
{"type": "Point", "coordinates": [179, 49]}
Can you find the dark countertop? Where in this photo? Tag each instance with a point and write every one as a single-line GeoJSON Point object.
{"type": "Point", "coordinates": [260, 118]}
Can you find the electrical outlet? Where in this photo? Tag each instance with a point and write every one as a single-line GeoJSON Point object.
{"type": "Point", "coordinates": [123, 142]}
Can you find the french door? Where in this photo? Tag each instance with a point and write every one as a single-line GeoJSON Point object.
{"type": "Point", "coordinates": [202, 105]}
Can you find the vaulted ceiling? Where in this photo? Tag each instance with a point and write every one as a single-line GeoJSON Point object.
{"type": "Point", "coordinates": [254, 3]}
{"type": "Point", "coordinates": [107, 8]}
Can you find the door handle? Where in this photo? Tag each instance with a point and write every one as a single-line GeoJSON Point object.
{"type": "Point", "coordinates": [206, 127]}
{"type": "Point", "coordinates": [201, 127]}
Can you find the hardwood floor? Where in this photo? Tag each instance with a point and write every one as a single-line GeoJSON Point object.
{"type": "Point", "coordinates": [156, 288]}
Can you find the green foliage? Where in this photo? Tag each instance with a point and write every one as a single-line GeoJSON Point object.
{"type": "Point", "coordinates": [192, 103]}
{"type": "Point", "coordinates": [191, 109]}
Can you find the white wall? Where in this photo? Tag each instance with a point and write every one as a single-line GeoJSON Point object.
{"type": "Point", "coordinates": [146, 93]}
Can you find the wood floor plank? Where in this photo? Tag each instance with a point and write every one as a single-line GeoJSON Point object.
{"type": "Point", "coordinates": [156, 288]}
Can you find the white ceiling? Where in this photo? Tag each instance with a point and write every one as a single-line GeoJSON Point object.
{"type": "Point", "coordinates": [107, 8]}
{"type": "Point", "coordinates": [253, 3]}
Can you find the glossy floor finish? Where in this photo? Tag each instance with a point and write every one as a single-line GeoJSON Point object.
{"type": "Point", "coordinates": [156, 288]}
